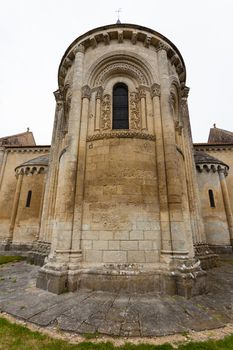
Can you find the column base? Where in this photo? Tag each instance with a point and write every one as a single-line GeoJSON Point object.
{"type": "Point", "coordinates": [184, 281]}
{"type": "Point", "coordinates": [206, 255]}
{"type": "Point", "coordinates": [38, 253]}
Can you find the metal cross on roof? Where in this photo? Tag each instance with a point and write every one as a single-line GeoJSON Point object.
{"type": "Point", "coordinates": [118, 15]}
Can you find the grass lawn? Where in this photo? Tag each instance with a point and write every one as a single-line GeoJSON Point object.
{"type": "Point", "coordinates": [18, 337]}
{"type": "Point", "coordinates": [8, 259]}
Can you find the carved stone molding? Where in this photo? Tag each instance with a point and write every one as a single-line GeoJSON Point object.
{"type": "Point", "coordinates": [106, 38]}
{"type": "Point", "coordinates": [134, 38]}
{"type": "Point", "coordinates": [147, 41]}
{"type": "Point", "coordinates": [120, 36]}
{"type": "Point", "coordinates": [185, 92]}
{"type": "Point", "coordinates": [135, 120]}
{"type": "Point", "coordinates": [121, 67]}
{"type": "Point", "coordinates": [155, 90]}
{"type": "Point", "coordinates": [86, 92]}
{"type": "Point", "coordinates": [212, 168]}
{"type": "Point", "coordinates": [106, 113]}
{"type": "Point", "coordinates": [58, 95]}
{"type": "Point", "coordinates": [31, 170]}
{"type": "Point", "coordinates": [162, 46]}
{"type": "Point", "coordinates": [121, 134]}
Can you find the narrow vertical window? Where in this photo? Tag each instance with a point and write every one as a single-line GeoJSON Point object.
{"type": "Point", "coordinates": [120, 107]}
{"type": "Point", "coordinates": [211, 198]}
{"type": "Point", "coordinates": [28, 201]}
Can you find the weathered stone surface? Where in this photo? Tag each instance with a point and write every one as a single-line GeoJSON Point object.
{"type": "Point", "coordinates": [118, 314]}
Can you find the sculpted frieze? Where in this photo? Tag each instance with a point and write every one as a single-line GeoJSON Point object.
{"type": "Point", "coordinates": [135, 121]}
{"type": "Point", "coordinates": [106, 112]}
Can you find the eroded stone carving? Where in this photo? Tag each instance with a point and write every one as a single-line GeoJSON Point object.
{"type": "Point", "coordinates": [106, 112]}
{"type": "Point", "coordinates": [135, 122]}
{"type": "Point", "coordinates": [99, 93]}
{"type": "Point", "coordinates": [121, 134]}
{"type": "Point", "coordinates": [155, 90]}
{"type": "Point", "coordinates": [86, 92]}
{"type": "Point", "coordinates": [118, 68]}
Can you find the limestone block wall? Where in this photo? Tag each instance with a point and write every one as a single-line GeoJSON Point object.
{"type": "Point", "coordinates": [27, 221]}
{"type": "Point", "coordinates": [13, 157]}
{"type": "Point", "coordinates": [121, 210]}
{"type": "Point", "coordinates": [225, 154]}
{"type": "Point", "coordinates": [215, 220]}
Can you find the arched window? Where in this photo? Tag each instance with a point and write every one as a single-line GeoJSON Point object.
{"type": "Point", "coordinates": [120, 118]}
{"type": "Point", "coordinates": [211, 198]}
{"type": "Point", "coordinates": [28, 201]}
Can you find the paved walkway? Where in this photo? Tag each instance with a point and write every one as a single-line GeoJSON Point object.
{"type": "Point", "coordinates": [116, 314]}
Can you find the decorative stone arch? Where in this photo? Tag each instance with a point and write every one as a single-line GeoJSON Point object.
{"type": "Point", "coordinates": [120, 64]}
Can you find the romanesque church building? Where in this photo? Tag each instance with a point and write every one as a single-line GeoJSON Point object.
{"type": "Point", "coordinates": [122, 199]}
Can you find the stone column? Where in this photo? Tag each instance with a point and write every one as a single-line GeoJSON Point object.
{"type": "Point", "coordinates": [163, 203]}
{"type": "Point", "coordinates": [98, 107]}
{"type": "Point", "coordinates": [50, 187]}
{"type": "Point", "coordinates": [142, 96]}
{"type": "Point", "coordinates": [77, 227]}
{"type": "Point", "coordinates": [54, 275]}
{"type": "Point", "coordinates": [3, 158]}
{"type": "Point", "coordinates": [193, 191]}
{"type": "Point", "coordinates": [226, 201]}
{"type": "Point", "coordinates": [68, 164]}
{"type": "Point", "coordinates": [15, 204]}
{"type": "Point", "coordinates": [179, 238]}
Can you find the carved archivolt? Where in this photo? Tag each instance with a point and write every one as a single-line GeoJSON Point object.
{"type": "Point", "coordinates": [106, 113]}
{"type": "Point", "coordinates": [121, 67]}
{"type": "Point", "coordinates": [135, 120]}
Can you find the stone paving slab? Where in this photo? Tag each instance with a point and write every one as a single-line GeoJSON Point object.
{"type": "Point", "coordinates": [85, 311]}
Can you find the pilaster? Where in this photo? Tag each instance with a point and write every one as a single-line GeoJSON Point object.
{"type": "Point", "coordinates": [226, 201]}
{"type": "Point", "coordinates": [180, 240]}
{"type": "Point", "coordinates": [54, 275]}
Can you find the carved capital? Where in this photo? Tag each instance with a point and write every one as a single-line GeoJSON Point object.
{"type": "Point", "coordinates": [155, 90]}
{"type": "Point", "coordinates": [142, 92]}
{"type": "Point", "coordinates": [79, 48]}
{"type": "Point", "coordinates": [162, 46]}
{"type": "Point", "coordinates": [86, 92]}
{"type": "Point", "coordinates": [99, 93]}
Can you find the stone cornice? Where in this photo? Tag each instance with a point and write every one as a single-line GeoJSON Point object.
{"type": "Point", "coordinates": [121, 134]}
{"type": "Point", "coordinates": [212, 168]}
{"type": "Point", "coordinates": [213, 146]}
{"type": "Point", "coordinates": [31, 170]}
{"type": "Point", "coordinates": [122, 32]}
{"type": "Point", "coordinates": [27, 149]}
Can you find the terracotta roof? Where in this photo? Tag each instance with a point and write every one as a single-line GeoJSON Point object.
{"type": "Point", "coordinates": [204, 158]}
{"type": "Point", "coordinates": [217, 135]}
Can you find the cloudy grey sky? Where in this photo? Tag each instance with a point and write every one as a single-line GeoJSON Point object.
{"type": "Point", "coordinates": [34, 34]}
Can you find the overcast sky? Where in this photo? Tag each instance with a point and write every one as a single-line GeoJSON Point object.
{"type": "Point", "coordinates": [34, 35]}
